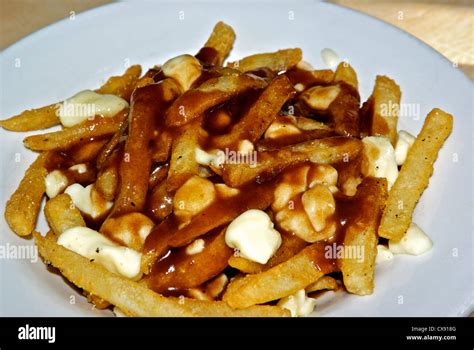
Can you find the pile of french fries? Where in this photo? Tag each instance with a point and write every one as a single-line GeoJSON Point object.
{"type": "Point", "coordinates": [143, 160]}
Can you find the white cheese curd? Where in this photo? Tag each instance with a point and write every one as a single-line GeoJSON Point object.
{"type": "Point", "coordinates": [185, 69]}
{"type": "Point", "coordinates": [330, 58]}
{"type": "Point", "coordinates": [298, 304]}
{"type": "Point", "coordinates": [196, 247]}
{"type": "Point", "coordinates": [245, 147]}
{"type": "Point", "coordinates": [379, 159]}
{"type": "Point", "coordinates": [87, 104]}
{"type": "Point", "coordinates": [82, 197]}
{"type": "Point", "coordinates": [383, 254]}
{"type": "Point", "coordinates": [94, 246]}
{"type": "Point", "coordinates": [415, 242]}
{"type": "Point", "coordinates": [404, 142]}
{"type": "Point", "coordinates": [216, 158]}
{"type": "Point", "coordinates": [252, 233]}
{"type": "Point", "coordinates": [79, 168]}
{"type": "Point", "coordinates": [55, 183]}
{"type": "Point", "coordinates": [280, 129]}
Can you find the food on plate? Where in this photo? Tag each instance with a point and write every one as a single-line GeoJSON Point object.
{"type": "Point", "coordinates": [241, 189]}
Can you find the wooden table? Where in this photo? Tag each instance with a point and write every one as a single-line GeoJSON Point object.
{"type": "Point", "coordinates": [448, 26]}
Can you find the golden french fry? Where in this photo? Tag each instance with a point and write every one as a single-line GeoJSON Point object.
{"type": "Point", "coordinates": [245, 265]}
{"type": "Point", "coordinates": [122, 85]}
{"type": "Point", "coordinates": [280, 281]}
{"type": "Point", "coordinates": [62, 214]}
{"type": "Point", "coordinates": [204, 308]}
{"type": "Point", "coordinates": [46, 117]}
{"type": "Point", "coordinates": [183, 162]}
{"type": "Point", "coordinates": [324, 283]}
{"type": "Point", "coordinates": [131, 297]}
{"type": "Point", "coordinates": [278, 61]}
{"type": "Point", "coordinates": [382, 109]}
{"type": "Point", "coordinates": [345, 72]}
{"type": "Point", "coordinates": [361, 236]}
{"type": "Point", "coordinates": [107, 182]}
{"type": "Point", "coordinates": [64, 139]}
{"type": "Point", "coordinates": [309, 78]}
{"type": "Point", "coordinates": [147, 106]}
{"type": "Point", "coordinates": [415, 174]}
{"type": "Point", "coordinates": [256, 120]}
{"type": "Point", "coordinates": [32, 119]}
{"type": "Point", "coordinates": [193, 103]}
{"type": "Point", "coordinates": [22, 208]}
{"type": "Point", "coordinates": [218, 46]}
{"type": "Point", "coordinates": [270, 163]}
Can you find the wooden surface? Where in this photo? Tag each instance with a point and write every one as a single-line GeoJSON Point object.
{"type": "Point", "coordinates": [446, 25]}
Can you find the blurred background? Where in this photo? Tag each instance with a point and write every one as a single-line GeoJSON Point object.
{"type": "Point", "coordinates": [446, 25]}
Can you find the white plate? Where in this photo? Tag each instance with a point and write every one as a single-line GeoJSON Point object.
{"type": "Point", "coordinates": [80, 53]}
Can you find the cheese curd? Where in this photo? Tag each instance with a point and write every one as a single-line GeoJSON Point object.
{"type": "Point", "coordinates": [185, 69]}
{"type": "Point", "coordinates": [404, 142]}
{"type": "Point", "coordinates": [130, 229]}
{"type": "Point", "coordinates": [87, 200]}
{"type": "Point", "coordinates": [378, 159]}
{"type": "Point", "coordinates": [282, 127]}
{"type": "Point", "coordinates": [304, 203]}
{"type": "Point", "coordinates": [299, 304]}
{"type": "Point", "coordinates": [321, 97]}
{"type": "Point", "coordinates": [195, 195]}
{"type": "Point", "coordinates": [195, 247]}
{"type": "Point", "coordinates": [87, 104]}
{"type": "Point", "coordinates": [415, 242]}
{"type": "Point", "coordinates": [383, 254]}
{"type": "Point", "coordinates": [55, 182]}
{"type": "Point", "coordinates": [252, 233]}
{"type": "Point", "coordinates": [98, 248]}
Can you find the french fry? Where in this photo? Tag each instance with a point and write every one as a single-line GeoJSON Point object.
{"type": "Point", "coordinates": [46, 117]}
{"type": "Point", "coordinates": [191, 270]}
{"type": "Point", "coordinates": [361, 235]}
{"type": "Point", "coordinates": [195, 102]}
{"type": "Point", "coordinates": [414, 175]}
{"type": "Point", "coordinates": [383, 108]}
{"type": "Point", "coordinates": [280, 281]}
{"type": "Point", "coordinates": [122, 85]}
{"type": "Point", "coordinates": [310, 77]}
{"type": "Point", "coordinates": [218, 46]}
{"type": "Point", "coordinates": [22, 208]}
{"type": "Point", "coordinates": [61, 214]}
{"type": "Point", "coordinates": [204, 308]}
{"type": "Point", "coordinates": [107, 181]}
{"type": "Point", "coordinates": [256, 120]}
{"type": "Point", "coordinates": [146, 107]}
{"type": "Point", "coordinates": [324, 283]}
{"type": "Point", "coordinates": [245, 265]}
{"type": "Point", "coordinates": [33, 119]}
{"type": "Point", "coordinates": [270, 163]}
{"type": "Point", "coordinates": [183, 162]}
{"type": "Point", "coordinates": [131, 297]}
{"type": "Point", "coordinates": [279, 61]}
{"type": "Point", "coordinates": [64, 139]}
{"type": "Point", "coordinates": [86, 152]}
{"type": "Point", "coordinates": [345, 72]}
